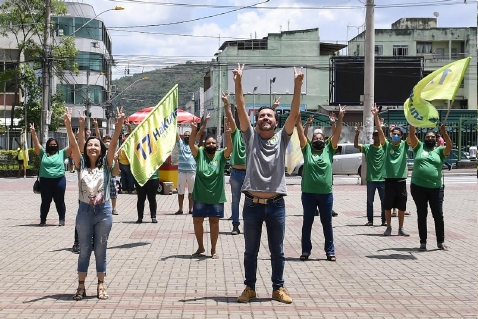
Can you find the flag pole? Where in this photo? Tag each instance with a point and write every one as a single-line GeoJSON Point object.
{"type": "Point", "coordinates": [448, 112]}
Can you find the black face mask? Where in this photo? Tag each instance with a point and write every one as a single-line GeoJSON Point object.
{"type": "Point", "coordinates": [186, 139]}
{"type": "Point", "coordinates": [430, 143]}
{"type": "Point", "coordinates": [52, 149]}
{"type": "Point", "coordinates": [210, 150]}
{"type": "Point", "coordinates": [318, 145]}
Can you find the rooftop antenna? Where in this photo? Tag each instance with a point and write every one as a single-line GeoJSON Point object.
{"type": "Point", "coordinates": [436, 14]}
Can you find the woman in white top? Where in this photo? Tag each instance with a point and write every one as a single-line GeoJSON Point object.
{"type": "Point", "coordinates": [94, 211]}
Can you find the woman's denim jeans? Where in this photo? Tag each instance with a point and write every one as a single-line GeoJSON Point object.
{"type": "Point", "coordinates": [324, 202]}
{"type": "Point", "coordinates": [97, 220]}
{"type": "Point", "coordinates": [254, 216]}
{"type": "Point", "coordinates": [236, 180]}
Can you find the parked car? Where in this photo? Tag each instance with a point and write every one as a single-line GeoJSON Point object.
{"type": "Point", "coordinates": [452, 158]}
{"type": "Point", "coordinates": [347, 161]}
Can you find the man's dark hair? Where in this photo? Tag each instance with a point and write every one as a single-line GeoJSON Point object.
{"type": "Point", "coordinates": [270, 108]}
{"type": "Point", "coordinates": [208, 137]}
{"type": "Point", "coordinates": [432, 131]}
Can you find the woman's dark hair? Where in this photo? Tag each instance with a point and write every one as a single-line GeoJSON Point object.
{"type": "Point", "coordinates": [208, 137]}
{"type": "Point", "coordinates": [99, 161]}
{"type": "Point", "coordinates": [50, 140]}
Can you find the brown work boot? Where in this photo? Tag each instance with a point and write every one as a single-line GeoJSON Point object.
{"type": "Point", "coordinates": [246, 295]}
{"type": "Point", "coordinates": [281, 295]}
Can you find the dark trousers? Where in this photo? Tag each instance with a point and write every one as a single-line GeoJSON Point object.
{"type": "Point", "coordinates": [52, 189]}
{"type": "Point", "coordinates": [422, 196]}
{"type": "Point", "coordinates": [147, 190]}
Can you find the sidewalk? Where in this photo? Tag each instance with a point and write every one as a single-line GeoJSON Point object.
{"type": "Point", "coordinates": [151, 274]}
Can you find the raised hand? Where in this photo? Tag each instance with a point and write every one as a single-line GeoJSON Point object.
{"type": "Point", "coordinates": [120, 116]}
{"type": "Point", "coordinates": [298, 76]}
{"type": "Point", "coordinates": [443, 129]}
{"type": "Point", "coordinates": [375, 109]}
{"type": "Point", "coordinates": [32, 127]}
{"type": "Point", "coordinates": [238, 73]}
{"type": "Point", "coordinates": [310, 120]}
{"type": "Point", "coordinates": [67, 115]}
{"type": "Point", "coordinates": [194, 126]}
{"type": "Point", "coordinates": [357, 128]}
{"type": "Point", "coordinates": [95, 122]}
{"type": "Point", "coordinates": [382, 122]}
{"type": "Point", "coordinates": [81, 118]}
{"type": "Point", "coordinates": [332, 116]}
{"type": "Point", "coordinates": [341, 112]}
{"type": "Point", "coordinates": [276, 103]}
{"type": "Point", "coordinates": [228, 127]}
{"type": "Point", "coordinates": [224, 97]}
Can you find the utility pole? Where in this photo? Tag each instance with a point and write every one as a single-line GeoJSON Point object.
{"type": "Point", "coordinates": [219, 108]}
{"type": "Point", "coordinates": [88, 101]}
{"type": "Point", "coordinates": [45, 114]}
{"type": "Point", "coordinates": [369, 80]}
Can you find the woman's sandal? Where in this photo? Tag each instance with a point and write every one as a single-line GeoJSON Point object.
{"type": "Point", "coordinates": [331, 258]}
{"type": "Point", "coordinates": [80, 292]}
{"type": "Point", "coordinates": [101, 292]}
{"type": "Point", "coordinates": [304, 257]}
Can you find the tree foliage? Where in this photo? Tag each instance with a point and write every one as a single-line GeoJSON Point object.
{"type": "Point", "coordinates": [24, 20]}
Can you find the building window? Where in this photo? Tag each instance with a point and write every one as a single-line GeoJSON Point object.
{"type": "Point", "coordinates": [378, 49]}
{"type": "Point", "coordinates": [77, 93]}
{"type": "Point", "coordinates": [424, 47]}
{"type": "Point", "coordinates": [254, 44]}
{"type": "Point", "coordinates": [91, 61]}
{"type": "Point", "coordinates": [400, 50]}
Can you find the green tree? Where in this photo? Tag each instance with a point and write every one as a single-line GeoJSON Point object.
{"type": "Point", "coordinates": [25, 21]}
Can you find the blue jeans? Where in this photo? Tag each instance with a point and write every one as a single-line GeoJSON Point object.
{"type": "Point", "coordinates": [127, 178]}
{"type": "Point", "coordinates": [97, 220]}
{"type": "Point", "coordinates": [324, 202]}
{"type": "Point", "coordinates": [236, 180]}
{"type": "Point", "coordinates": [254, 216]}
{"type": "Point", "coordinates": [52, 188]}
{"type": "Point", "coordinates": [371, 187]}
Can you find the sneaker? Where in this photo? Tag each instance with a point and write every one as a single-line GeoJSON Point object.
{"type": "Point", "coordinates": [402, 232]}
{"type": "Point", "coordinates": [423, 247]}
{"type": "Point", "coordinates": [230, 218]}
{"type": "Point", "coordinates": [190, 212]}
{"type": "Point", "coordinates": [407, 213]}
{"type": "Point", "coordinates": [442, 246]}
{"type": "Point", "coordinates": [61, 223]}
{"type": "Point", "coordinates": [179, 212]}
{"type": "Point", "coordinates": [134, 192]}
{"type": "Point", "coordinates": [281, 295]}
{"type": "Point", "coordinates": [247, 295]}
{"type": "Point", "coordinates": [76, 248]}
{"type": "Point", "coordinates": [388, 231]}
{"type": "Point", "coordinates": [139, 221]}
{"type": "Point", "coordinates": [42, 224]}
{"type": "Point", "coordinates": [384, 224]}
{"type": "Point", "coordinates": [235, 230]}
{"type": "Point", "coordinates": [394, 214]}
{"type": "Point", "coordinates": [115, 212]}
{"type": "Point", "coordinates": [369, 224]}
{"type": "Point", "coordinates": [154, 220]}
{"type": "Point", "coordinates": [334, 214]}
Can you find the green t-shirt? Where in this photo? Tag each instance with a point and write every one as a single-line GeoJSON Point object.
{"type": "Point", "coordinates": [375, 158]}
{"type": "Point", "coordinates": [427, 165]}
{"type": "Point", "coordinates": [238, 155]}
{"type": "Point", "coordinates": [154, 176]}
{"type": "Point", "coordinates": [395, 160]}
{"type": "Point", "coordinates": [317, 170]}
{"type": "Point", "coordinates": [209, 182]}
{"type": "Point", "coordinates": [52, 166]}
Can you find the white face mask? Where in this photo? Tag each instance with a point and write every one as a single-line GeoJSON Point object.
{"type": "Point", "coordinates": [107, 144]}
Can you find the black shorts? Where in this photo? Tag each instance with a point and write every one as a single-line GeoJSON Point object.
{"type": "Point", "coordinates": [395, 193]}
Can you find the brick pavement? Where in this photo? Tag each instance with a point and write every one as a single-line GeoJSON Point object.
{"type": "Point", "coordinates": [150, 273]}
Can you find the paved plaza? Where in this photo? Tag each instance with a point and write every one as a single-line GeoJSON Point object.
{"type": "Point", "coordinates": [151, 274]}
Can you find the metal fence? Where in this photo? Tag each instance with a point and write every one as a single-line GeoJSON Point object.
{"type": "Point", "coordinates": [11, 139]}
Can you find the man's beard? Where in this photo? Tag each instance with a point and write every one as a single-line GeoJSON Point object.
{"type": "Point", "coordinates": [263, 128]}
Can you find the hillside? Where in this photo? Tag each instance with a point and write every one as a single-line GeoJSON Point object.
{"type": "Point", "coordinates": [188, 76]}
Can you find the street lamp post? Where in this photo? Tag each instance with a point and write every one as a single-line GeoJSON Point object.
{"type": "Point", "coordinates": [270, 89]}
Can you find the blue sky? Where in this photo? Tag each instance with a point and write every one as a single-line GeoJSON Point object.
{"type": "Point", "coordinates": [168, 42]}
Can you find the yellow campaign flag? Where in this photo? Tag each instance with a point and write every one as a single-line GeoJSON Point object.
{"type": "Point", "coordinates": [26, 159]}
{"type": "Point", "coordinates": [441, 84]}
{"type": "Point", "coordinates": [153, 140]}
{"type": "Point", "coordinates": [293, 154]}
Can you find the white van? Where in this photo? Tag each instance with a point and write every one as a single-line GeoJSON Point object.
{"type": "Point", "coordinates": [347, 161]}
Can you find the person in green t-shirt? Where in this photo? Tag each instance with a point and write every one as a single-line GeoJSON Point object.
{"type": "Point", "coordinates": [209, 194]}
{"type": "Point", "coordinates": [395, 180]}
{"type": "Point", "coordinates": [317, 186]}
{"type": "Point", "coordinates": [52, 176]}
{"type": "Point", "coordinates": [426, 182]}
{"type": "Point", "coordinates": [374, 157]}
